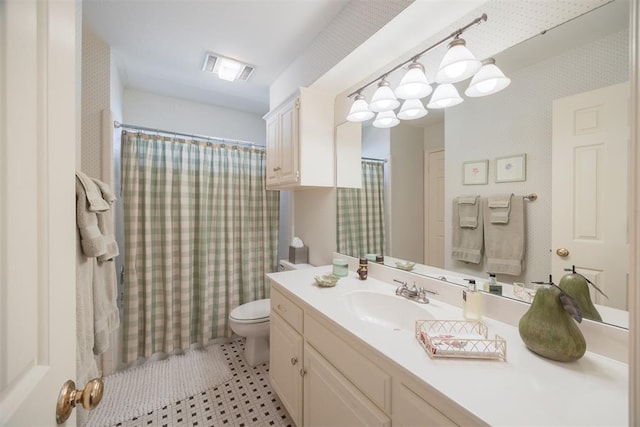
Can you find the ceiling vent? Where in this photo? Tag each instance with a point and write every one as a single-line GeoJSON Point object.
{"type": "Point", "coordinates": [226, 68]}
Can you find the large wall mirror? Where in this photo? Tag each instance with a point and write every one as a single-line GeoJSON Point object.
{"type": "Point", "coordinates": [562, 81]}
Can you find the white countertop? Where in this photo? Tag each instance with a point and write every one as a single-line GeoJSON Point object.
{"type": "Point", "coordinates": [527, 389]}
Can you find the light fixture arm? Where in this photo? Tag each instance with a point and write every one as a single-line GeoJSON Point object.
{"type": "Point", "coordinates": [456, 33]}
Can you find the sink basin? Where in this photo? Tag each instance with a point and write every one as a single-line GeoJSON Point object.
{"type": "Point", "coordinates": [388, 311]}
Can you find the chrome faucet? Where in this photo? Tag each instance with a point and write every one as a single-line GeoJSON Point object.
{"type": "Point", "coordinates": [413, 294]}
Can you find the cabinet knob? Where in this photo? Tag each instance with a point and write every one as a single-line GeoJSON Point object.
{"type": "Point", "coordinates": [303, 372]}
{"type": "Point", "coordinates": [276, 169]}
{"type": "Point", "coordinates": [294, 360]}
{"type": "Point", "coordinates": [282, 308]}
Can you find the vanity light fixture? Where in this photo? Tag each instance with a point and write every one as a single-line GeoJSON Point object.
{"type": "Point", "coordinates": [383, 98]}
{"type": "Point", "coordinates": [489, 80]}
{"type": "Point", "coordinates": [226, 68]}
{"type": "Point", "coordinates": [458, 64]}
{"type": "Point", "coordinates": [360, 111]}
{"type": "Point", "coordinates": [412, 109]}
{"type": "Point", "coordinates": [386, 119]}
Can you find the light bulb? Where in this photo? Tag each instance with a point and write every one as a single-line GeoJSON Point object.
{"type": "Point", "coordinates": [386, 119]}
{"type": "Point", "coordinates": [457, 64]}
{"type": "Point", "coordinates": [359, 111]}
{"type": "Point", "coordinates": [414, 84]}
{"type": "Point", "coordinates": [383, 98]}
{"type": "Point", "coordinates": [444, 96]}
{"type": "Point", "coordinates": [489, 80]}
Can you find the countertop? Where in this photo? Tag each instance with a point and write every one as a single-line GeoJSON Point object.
{"type": "Point", "coordinates": [527, 389]}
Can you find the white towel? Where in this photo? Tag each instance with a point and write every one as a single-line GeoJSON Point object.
{"type": "Point", "coordinates": [505, 242]}
{"type": "Point", "coordinates": [468, 211]}
{"type": "Point", "coordinates": [467, 243]}
{"type": "Point", "coordinates": [500, 207]}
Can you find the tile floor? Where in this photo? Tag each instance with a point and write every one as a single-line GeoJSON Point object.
{"type": "Point", "coordinates": [245, 400]}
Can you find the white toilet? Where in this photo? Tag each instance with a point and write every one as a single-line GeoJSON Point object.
{"type": "Point", "coordinates": [251, 320]}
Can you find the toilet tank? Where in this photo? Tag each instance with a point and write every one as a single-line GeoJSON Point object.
{"type": "Point", "coordinates": [285, 265]}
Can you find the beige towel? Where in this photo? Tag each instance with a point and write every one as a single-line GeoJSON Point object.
{"type": "Point", "coordinates": [105, 223]}
{"type": "Point", "coordinates": [94, 196]}
{"type": "Point", "coordinates": [500, 207]}
{"type": "Point", "coordinates": [505, 242]}
{"type": "Point", "coordinates": [86, 367]}
{"type": "Point", "coordinates": [468, 211]}
{"type": "Point", "coordinates": [467, 243]}
{"type": "Point", "coordinates": [92, 242]}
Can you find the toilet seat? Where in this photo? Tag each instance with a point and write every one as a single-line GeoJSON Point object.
{"type": "Point", "coordinates": [252, 312]}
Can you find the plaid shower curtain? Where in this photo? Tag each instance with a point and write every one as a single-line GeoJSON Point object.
{"type": "Point", "coordinates": [201, 231]}
{"type": "Point", "coordinates": [360, 222]}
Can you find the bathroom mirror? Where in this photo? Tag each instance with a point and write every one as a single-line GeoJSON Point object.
{"type": "Point", "coordinates": [584, 54]}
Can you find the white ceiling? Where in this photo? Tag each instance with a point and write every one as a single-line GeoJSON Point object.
{"type": "Point", "coordinates": [159, 45]}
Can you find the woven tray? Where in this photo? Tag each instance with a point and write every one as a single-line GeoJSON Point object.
{"type": "Point", "coordinates": [459, 338]}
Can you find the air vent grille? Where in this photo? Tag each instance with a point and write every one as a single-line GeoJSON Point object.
{"type": "Point", "coordinates": [214, 63]}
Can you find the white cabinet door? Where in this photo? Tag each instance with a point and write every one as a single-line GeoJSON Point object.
{"type": "Point", "coordinates": [285, 365]}
{"type": "Point", "coordinates": [273, 128]}
{"type": "Point", "coordinates": [411, 410]}
{"type": "Point", "coordinates": [289, 139]}
{"type": "Point", "coordinates": [38, 118]}
{"type": "Point", "coordinates": [331, 400]}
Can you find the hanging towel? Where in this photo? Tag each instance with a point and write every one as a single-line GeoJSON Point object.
{"type": "Point", "coordinates": [468, 211]}
{"type": "Point", "coordinates": [504, 242]}
{"type": "Point", "coordinates": [500, 207]}
{"type": "Point", "coordinates": [95, 202]}
{"type": "Point", "coordinates": [466, 242]}
{"type": "Point", "coordinates": [105, 223]}
{"type": "Point", "coordinates": [91, 239]}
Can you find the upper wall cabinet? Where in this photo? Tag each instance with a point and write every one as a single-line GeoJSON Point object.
{"type": "Point", "coordinates": [300, 148]}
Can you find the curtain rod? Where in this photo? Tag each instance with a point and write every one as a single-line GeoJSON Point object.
{"type": "Point", "coordinates": [118, 125]}
{"type": "Point", "coordinates": [417, 56]}
{"type": "Point", "coordinates": [371, 159]}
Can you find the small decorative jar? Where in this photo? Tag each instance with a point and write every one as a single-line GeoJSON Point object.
{"type": "Point", "coordinates": [363, 269]}
{"type": "Point", "coordinates": [340, 267]}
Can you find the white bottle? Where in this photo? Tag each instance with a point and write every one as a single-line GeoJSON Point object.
{"type": "Point", "coordinates": [472, 301]}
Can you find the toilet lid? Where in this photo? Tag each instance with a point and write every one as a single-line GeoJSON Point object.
{"type": "Point", "coordinates": [254, 310]}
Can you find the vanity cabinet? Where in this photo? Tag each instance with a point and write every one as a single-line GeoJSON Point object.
{"type": "Point", "coordinates": [324, 377]}
{"type": "Point", "coordinates": [300, 146]}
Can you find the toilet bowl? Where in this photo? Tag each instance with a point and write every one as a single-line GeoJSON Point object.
{"type": "Point", "coordinates": [251, 320]}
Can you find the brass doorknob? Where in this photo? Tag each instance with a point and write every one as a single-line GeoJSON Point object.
{"type": "Point", "coordinates": [69, 397]}
{"type": "Point", "coordinates": [563, 252]}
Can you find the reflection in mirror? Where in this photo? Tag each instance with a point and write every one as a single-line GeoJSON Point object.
{"type": "Point", "coordinates": [550, 73]}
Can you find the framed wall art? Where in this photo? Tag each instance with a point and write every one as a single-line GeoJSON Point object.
{"type": "Point", "coordinates": [475, 172]}
{"type": "Point", "coordinates": [511, 168]}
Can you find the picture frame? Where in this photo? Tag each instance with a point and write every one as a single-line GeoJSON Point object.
{"type": "Point", "coordinates": [475, 172]}
{"type": "Point", "coordinates": [511, 168]}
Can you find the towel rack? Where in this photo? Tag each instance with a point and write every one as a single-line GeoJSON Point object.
{"type": "Point", "coordinates": [531, 197]}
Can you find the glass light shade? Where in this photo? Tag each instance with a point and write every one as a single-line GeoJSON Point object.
{"type": "Point", "coordinates": [489, 80]}
{"type": "Point", "coordinates": [414, 84]}
{"type": "Point", "coordinates": [458, 63]}
{"type": "Point", "coordinates": [359, 110]}
{"type": "Point", "coordinates": [412, 109]}
{"type": "Point", "coordinates": [444, 96]}
{"type": "Point", "coordinates": [383, 98]}
{"type": "Point", "coordinates": [386, 119]}
{"type": "Point", "coordinates": [229, 69]}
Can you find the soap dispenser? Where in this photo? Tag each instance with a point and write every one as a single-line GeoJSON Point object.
{"type": "Point", "coordinates": [494, 287]}
{"type": "Point", "coordinates": [472, 301]}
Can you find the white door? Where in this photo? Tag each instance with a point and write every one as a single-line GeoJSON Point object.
{"type": "Point", "coordinates": [589, 197]}
{"type": "Point", "coordinates": [38, 123]}
{"type": "Point", "coordinates": [434, 207]}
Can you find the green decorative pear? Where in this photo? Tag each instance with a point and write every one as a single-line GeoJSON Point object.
{"type": "Point", "coordinates": [548, 329]}
{"type": "Point", "coordinates": [576, 285]}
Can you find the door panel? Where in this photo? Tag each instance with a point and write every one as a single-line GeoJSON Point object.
{"type": "Point", "coordinates": [37, 210]}
{"type": "Point", "coordinates": [589, 181]}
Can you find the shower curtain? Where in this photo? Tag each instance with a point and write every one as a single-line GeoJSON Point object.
{"type": "Point", "coordinates": [360, 212]}
{"type": "Point", "coordinates": [201, 231]}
